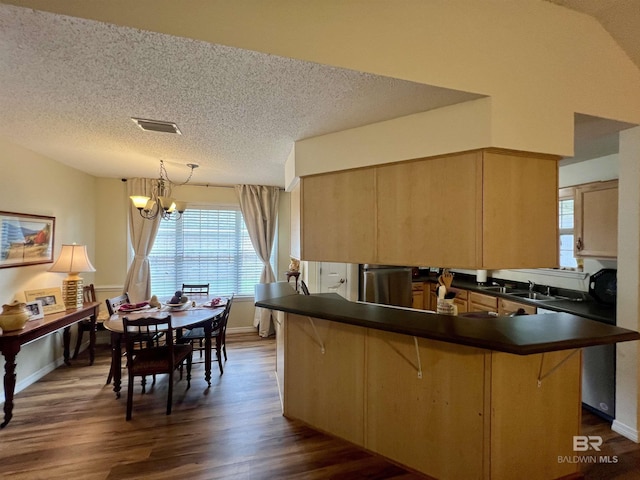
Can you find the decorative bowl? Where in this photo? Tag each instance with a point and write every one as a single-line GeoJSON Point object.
{"type": "Point", "coordinates": [14, 316]}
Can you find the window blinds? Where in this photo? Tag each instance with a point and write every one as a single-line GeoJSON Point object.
{"type": "Point", "coordinates": [205, 246]}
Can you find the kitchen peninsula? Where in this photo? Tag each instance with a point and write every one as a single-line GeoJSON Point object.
{"type": "Point", "coordinates": [450, 397]}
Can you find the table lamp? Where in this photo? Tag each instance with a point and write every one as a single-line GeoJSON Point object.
{"type": "Point", "coordinates": [73, 260]}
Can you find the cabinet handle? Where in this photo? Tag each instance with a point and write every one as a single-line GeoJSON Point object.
{"type": "Point", "coordinates": [579, 245]}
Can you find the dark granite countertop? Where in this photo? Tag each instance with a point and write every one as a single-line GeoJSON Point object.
{"type": "Point", "coordinates": [522, 335]}
{"type": "Point", "coordinates": [587, 307]}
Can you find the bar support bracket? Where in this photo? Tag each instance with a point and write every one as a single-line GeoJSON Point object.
{"type": "Point", "coordinates": [318, 339]}
{"type": "Point", "coordinates": [415, 341]}
{"type": "Point", "coordinates": [542, 376]}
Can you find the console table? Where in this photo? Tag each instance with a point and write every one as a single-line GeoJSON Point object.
{"type": "Point", "coordinates": [11, 342]}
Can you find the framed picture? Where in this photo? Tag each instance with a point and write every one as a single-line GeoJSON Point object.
{"type": "Point", "coordinates": [25, 239]}
{"type": "Point", "coordinates": [51, 299]}
{"type": "Point", "coordinates": [35, 310]}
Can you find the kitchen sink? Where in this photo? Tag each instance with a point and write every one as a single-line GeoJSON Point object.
{"type": "Point", "coordinates": [533, 296]}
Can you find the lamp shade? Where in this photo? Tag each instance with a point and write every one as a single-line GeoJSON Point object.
{"type": "Point", "coordinates": [72, 259]}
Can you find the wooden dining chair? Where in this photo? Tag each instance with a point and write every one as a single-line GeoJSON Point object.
{"type": "Point", "coordinates": [88, 296]}
{"type": "Point", "coordinates": [160, 355]}
{"type": "Point", "coordinates": [114, 302]}
{"type": "Point", "coordinates": [195, 289]}
{"type": "Point", "coordinates": [112, 307]}
{"type": "Point", "coordinates": [219, 333]}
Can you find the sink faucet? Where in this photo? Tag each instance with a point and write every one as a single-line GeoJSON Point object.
{"type": "Point", "coordinates": [531, 285]}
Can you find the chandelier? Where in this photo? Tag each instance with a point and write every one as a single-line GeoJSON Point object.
{"type": "Point", "coordinates": [161, 203]}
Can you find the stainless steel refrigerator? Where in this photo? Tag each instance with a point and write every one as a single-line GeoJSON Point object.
{"type": "Point", "coordinates": [387, 285]}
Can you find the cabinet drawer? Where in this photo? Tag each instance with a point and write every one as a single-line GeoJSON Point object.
{"type": "Point", "coordinates": [484, 300]}
{"type": "Point", "coordinates": [507, 307]}
{"type": "Point", "coordinates": [460, 294]}
{"type": "Point", "coordinates": [417, 286]}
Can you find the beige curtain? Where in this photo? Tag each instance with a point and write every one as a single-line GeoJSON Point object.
{"type": "Point", "coordinates": [142, 234]}
{"type": "Point", "coordinates": [259, 206]}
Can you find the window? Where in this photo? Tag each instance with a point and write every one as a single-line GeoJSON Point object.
{"type": "Point", "coordinates": [566, 226]}
{"type": "Point", "coordinates": [205, 246]}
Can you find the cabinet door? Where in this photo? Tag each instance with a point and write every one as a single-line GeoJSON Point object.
{"type": "Point", "coordinates": [520, 210]}
{"type": "Point", "coordinates": [479, 302]}
{"type": "Point", "coordinates": [596, 220]}
{"type": "Point", "coordinates": [461, 300]}
{"type": "Point", "coordinates": [417, 300]}
{"type": "Point", "coordinates": [338, 222]}
{"type": "Point", "coordinates": [506, 307]}
{"type": "Point", "coordinates": [417, 295]}
{"type": "Point", "coordinates": [433, 297]}
{"type": "Point", "coordinates": [429, 211]}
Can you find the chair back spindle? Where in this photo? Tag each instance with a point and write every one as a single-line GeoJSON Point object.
{"type": "Point", "coordinates": [195, 289]}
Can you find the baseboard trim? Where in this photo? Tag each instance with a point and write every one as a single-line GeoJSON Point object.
{"type": "Point", "coordinates": [625, 431]}
{"type": "Point", "coordinates": [231, 330]}
{"type": "Point", "coordinates": [35, 376]}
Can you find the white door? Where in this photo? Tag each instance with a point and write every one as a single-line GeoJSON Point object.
{"type": "Point", "coordinates": [333, 277]}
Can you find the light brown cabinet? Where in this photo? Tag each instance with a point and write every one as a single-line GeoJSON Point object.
{"type": "Point", "coordinates": [338, 223]}
{"type": "Point", "coordinates": [433, 297]}
{"type": "Point", "coordinates": [417, 295]}
{"type": "Point", "coordinates": [461, 300]}
{"type": "Point", "coordinates": [507, 307]}
{"type": "Point", "coordinates": [448, 411]}
{"type": "Point", "coordinates": [596, 220]}
{"type": "Point", "coordinates": [479, 302]}
{"type": "Point", "coordinates": [479, 209]}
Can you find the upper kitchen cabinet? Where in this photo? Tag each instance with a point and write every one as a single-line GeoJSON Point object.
{"type": "Point", "coordinates": [482, 209]}
{"type": "Point", "coordinates": [338, 217]}
{"type": "Point", "coordinates": [596, 220]}
{"type": "Point", "coordinates": [430, 208]}
{"type": "Point", "coordinates": [519, 210]}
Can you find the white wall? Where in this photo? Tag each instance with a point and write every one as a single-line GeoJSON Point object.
{"type": "Point", "coordinates": [587, 171]}
{"type": "Point", "coordinates": [628, 308]}
{"type": "Point", "coordinates": [33, 184]}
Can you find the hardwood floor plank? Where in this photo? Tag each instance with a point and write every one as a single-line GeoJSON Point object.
{"type": "Point", "coordinates": [69, 425]}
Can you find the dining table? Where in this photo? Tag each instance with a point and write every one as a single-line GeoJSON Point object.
{"type": "Point", "coordinates": [197, 313]}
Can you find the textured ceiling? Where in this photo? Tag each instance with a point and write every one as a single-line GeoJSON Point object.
{"type": "Point", "coordinates": [70, 87]}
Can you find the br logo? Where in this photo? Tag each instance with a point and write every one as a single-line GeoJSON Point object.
{"type": "Point", "coordinates": [582, 443]}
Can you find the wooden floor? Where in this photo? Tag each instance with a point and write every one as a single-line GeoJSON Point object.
{"type": "Point", "coordinates": [69, 425]}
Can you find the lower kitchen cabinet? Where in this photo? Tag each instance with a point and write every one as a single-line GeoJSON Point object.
{"type": "Point", "coordinates": [479, 302]}
{"type": "Point", "coordinates": [507, 307]}
{"type": "Point", "coordinates": [433, 297]}
{"type": "Point", "coordinates": [461, 300]}
{"type": "Point", "coordinates": [418, 296]}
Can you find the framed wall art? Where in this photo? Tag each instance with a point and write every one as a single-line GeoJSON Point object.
{"type": "Point", "coordinates": [25, 239]}
{"type": "Point", "coordinates": [35, 310]}
{"type": "Point", "coordinates": [51, 299]}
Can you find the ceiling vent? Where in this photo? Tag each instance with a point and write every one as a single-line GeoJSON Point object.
{"type": "Point", "coordinates": [156, 126]}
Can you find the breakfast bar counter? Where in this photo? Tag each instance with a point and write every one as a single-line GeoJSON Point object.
{"type": "Point", "coordinates": [521, 335]}
{"type": "Point", "coordinates": [450, 397]}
